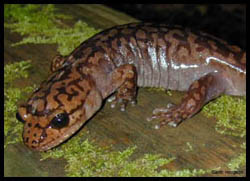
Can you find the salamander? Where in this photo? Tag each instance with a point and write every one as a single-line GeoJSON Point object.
{"type": "Point", "coordinates": [119, 59]}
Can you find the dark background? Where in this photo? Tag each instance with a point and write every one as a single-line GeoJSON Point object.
{"type": "Point", "coordinates": [226, 21]}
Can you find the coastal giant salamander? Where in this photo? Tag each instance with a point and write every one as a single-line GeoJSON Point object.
{"type": "Point", "coordinates": [118, 60]}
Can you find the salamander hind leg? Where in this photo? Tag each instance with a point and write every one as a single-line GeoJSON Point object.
{"type": "Point", "coordinates": [125, 79]}
{"type": "Point", "coordinates": [200, 92]}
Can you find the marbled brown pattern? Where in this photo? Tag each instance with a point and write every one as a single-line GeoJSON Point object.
{"type": "Point", "coordinates": [118, 60]}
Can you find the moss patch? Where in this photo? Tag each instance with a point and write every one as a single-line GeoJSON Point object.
{"type": "Point", "coordinates": [12, 94]}
{"type": "Point", "coordinates": [85, 159]}
{"type": "Point", "coordinates": [231, 114]}
{"type": "Point", "coordinates": [239, 161]}
{"type": "Point", "coordinates": [40, 24]}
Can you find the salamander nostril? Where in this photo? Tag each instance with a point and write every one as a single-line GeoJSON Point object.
{"type": "Point", "coordinates": [19, 118]}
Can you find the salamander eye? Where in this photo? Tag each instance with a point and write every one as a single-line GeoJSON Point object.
{"type": "Point", "coordinates": [60, 120]}
{"type": "Point", "coordinates": [19, 118]}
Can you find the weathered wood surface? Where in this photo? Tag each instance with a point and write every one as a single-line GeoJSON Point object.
{"type": "Point", "coordinates": [121, 129]}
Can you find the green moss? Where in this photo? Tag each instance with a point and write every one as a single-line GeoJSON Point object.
{"type": "Point", "coordinates": [239, 161]}
{"type": "Point", "coordinates": [231, 114]}
{"type": "Point", "coordinates": [40, 24]}
{"type": "Point", "coordinates": [84, 160]}
{"type": "Point", "coordinates": [160, 89]}
{"type": "Point", "coordinates": [13, 128]}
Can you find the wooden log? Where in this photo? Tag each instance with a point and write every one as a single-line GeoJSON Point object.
{"type": "Point", "coordinates": [121, 129]}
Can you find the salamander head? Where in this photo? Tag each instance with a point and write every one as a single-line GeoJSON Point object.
{"type": "Point", "coordinates": [42, 132]}
{"type": "Point", "coordinates": [56, 111]}
{"type": "Point", "coordinates": [44, 129]}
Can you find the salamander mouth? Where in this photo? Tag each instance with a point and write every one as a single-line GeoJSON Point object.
{"type": "Point", "coordinates": [45, 146]}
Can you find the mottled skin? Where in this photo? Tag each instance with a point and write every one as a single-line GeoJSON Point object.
{"type": "Point", "coordinates": [120, 59]}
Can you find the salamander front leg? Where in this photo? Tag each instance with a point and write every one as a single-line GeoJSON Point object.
{"type": "Point", "coordinates": [200, 92]}
{"type": "Point", "coordinates": [125, 79]}
{"type": "Point", "coordinates": [57, 63]}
